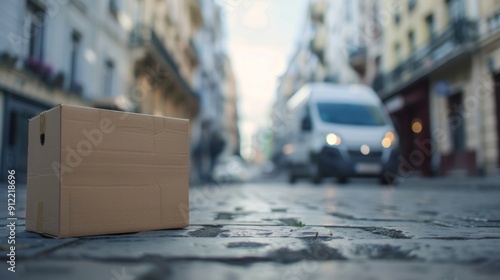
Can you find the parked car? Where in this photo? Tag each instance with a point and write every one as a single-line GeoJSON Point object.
{"type": "Point", "coordinates": [340, 131]}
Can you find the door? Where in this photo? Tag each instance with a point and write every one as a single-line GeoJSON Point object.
{"type": "Point", "coordinates": [456, 122]}
{"type": "Point", "coordinates": [414, 132]}
{"type": "Point", "coordinates": [15, 145]}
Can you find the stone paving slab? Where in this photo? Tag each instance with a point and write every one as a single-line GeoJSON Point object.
{"type": "Point", "coordinates": [135, 248]}
{"type": "Point", "coordinates": [434, 231]}
{"type": "Point", "coordinates": [348, 205]}
{"type": "Point", "coordinates": [29, 244]}
{"type": "Point", "coordinates": [282, 249]}
{"type": "Point", "coordinates": [39, 269]}
{"type": "Point", "coordinates": [373, 270]}
{"type": "Point", "coordinates": [279, 231]}
{"type": "Point", "coordinates": [208, 270]}
{"type": "Point", "coordinates": [295, 232]}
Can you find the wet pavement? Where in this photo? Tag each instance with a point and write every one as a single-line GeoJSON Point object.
{"type": "Point", "coordinates": [427, 229]}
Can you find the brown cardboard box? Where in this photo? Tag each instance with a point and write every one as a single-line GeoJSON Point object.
{"type": "Point", "coordinates": [93, 171]}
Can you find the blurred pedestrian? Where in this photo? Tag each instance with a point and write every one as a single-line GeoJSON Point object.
{"type": "Point", "coordinates": [217, 145]}
{"type": "Point", "coordinates": [201, 153]}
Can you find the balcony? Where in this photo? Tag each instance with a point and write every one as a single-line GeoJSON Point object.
{"type": "Point", "coordinates": [318, 9]}
{"type": "Point", "coordinates": [41, 71]}
{"type": "Point", "coordinates": [43, 87]}
{"type": "Point", "coordinates": [146, 40]}
{"type": "Point", "coordinates": [318, 42]}
{"type": "Point", "coordinates": [457, 40]}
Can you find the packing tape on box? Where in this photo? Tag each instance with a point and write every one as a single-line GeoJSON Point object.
{"type": "Point", "coordinates": [39, 218]}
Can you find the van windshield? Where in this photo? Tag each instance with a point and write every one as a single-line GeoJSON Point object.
{"type": "Point", "coordinates": [351, 114]}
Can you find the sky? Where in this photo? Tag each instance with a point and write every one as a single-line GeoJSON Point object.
{"type": "Point", "coordinates": [261, 37]}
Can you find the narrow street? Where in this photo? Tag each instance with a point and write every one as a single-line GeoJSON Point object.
{"type": "Point", "coordinates": [420, 229]}
{"type": "Point", "coordinates": [172, 139]}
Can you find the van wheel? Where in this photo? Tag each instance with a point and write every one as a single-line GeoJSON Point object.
{"type": "Point", "coordinates": [317, 180]}
{"type": "Point", "coordinates": [292, 179]}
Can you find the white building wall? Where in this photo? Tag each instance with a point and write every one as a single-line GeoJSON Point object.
{"type": "Point", "coordinates": [11, 23]}
{"type": "Point", "coordinates": [102, 37]}
{"type": "Point", "coordinates": [59, 45]}
{"type": "Point", "coordinates": [209, 78]}
{"type": "Point", "coordinates": [343, 35]}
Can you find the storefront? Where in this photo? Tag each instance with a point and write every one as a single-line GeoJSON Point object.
{"type": "Point", "coordinates": [410, 113]}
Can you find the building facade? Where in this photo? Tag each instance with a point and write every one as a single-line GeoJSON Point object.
{"type": "Point", "coordinates": [440, 65]}
{"type": "Point", "coordinates": [365, 57]}
{"type": "Point", "coordinates": [330, 35]}
{"type": "Point", "coordinates": [435, 64]}
{"type": "Point", "coordinates": [485, 100]}
{"type": "Point", "coordinates": [182, 70]}
{"type": "Point", "coordinates": [154, 57]}
{"type": "Point", "coordinates": [164, 62]}
{"type": "Point", "coordinates": [230, 121]}
{"type": "Point", "coordinates": [210, 129]}
{"type": "Point", "coordinates": [52, 52]}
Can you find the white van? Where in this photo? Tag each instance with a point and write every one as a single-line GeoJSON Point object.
{"type": "Point", "coordinates": [340, 131]}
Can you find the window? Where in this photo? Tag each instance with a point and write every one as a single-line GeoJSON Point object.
{"type": "Point", "coordinates": [36, 23]}
{"type": "Point", "coordinates": [351, 114]}
{"type": "Point", "coordinates": [411, 5]}
{"type": "Point", "coordinates": [399, 54]}
{"type": "Point", "coordinates": [74, 58]}
{"type": "Point", "coordinates": [397, 18]}
{"type": "Point", "coordinates": [411, 41]}
{"type": "Point", "coordinates": [456, 9]}
{"type": "Point", "coordinates": [109, 69]}
{"type": "Point", "coordinates": [348, 10]}
{"type": "Point", "coordinates": [431, 26]}
{"type": "Point", "coordinates": [456, 121]}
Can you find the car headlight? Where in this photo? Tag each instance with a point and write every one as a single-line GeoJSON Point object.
{"type": "Point", "coordinates": [388, 140]}
{"type": "Point", "coordinates": [333, 139]}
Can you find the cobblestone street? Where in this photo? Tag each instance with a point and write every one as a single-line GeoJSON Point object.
{"type": "Point", "coordinates": [270, 230]}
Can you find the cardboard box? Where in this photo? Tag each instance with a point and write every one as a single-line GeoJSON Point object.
{"type": "Point", "coordinates": [93, 171]}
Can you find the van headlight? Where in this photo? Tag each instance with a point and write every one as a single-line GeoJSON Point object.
{"type": "Point", "coordinates": [388, 140]}
{"type": "Point", "coordinates": [333, 139]}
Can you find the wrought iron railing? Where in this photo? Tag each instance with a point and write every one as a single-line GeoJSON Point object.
{"type": "Point", "coordinates": [438, 50]}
